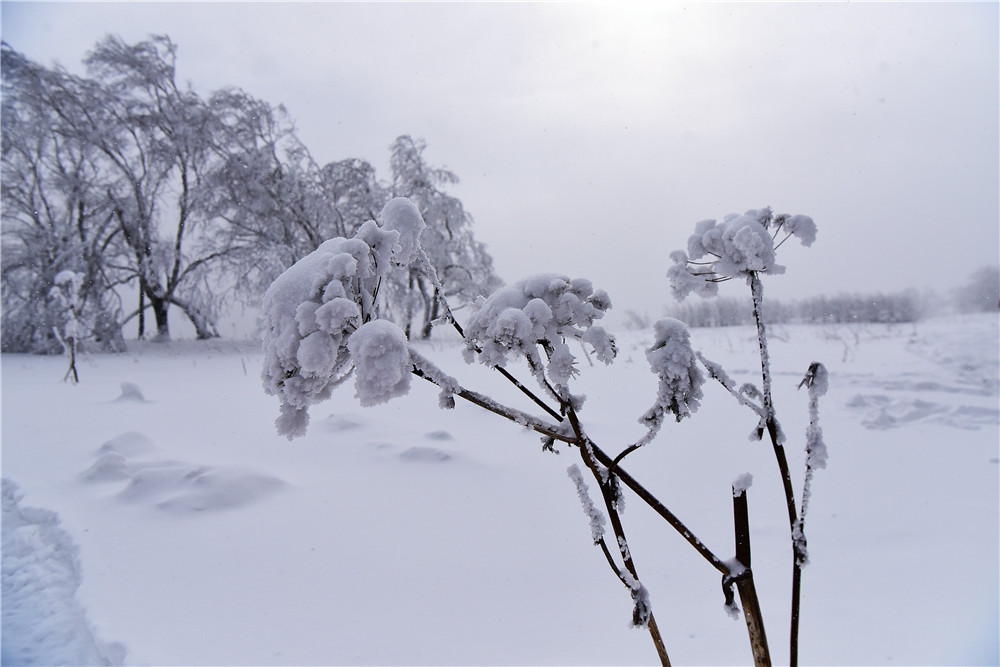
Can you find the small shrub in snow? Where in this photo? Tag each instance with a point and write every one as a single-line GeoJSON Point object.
{"type": "Point", "coordinates": [323, 325]}
{"type": "Point", "coordinates": [65, 294]}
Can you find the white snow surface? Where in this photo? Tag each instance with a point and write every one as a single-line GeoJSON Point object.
{"type": "Point", "coordinates": [406, 534]}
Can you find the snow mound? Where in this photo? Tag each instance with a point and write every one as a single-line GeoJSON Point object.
{"type": "Point", "coordinates": [131, 443]}
{"type": "Point", "coordinates": [185, 488]}
{"type": "Point", "coordinates": [425, 455]}
{"type": "Point", "coordinates": [882, 412]}
{"type": "Point", "coordinates": [43, 622]}
{"type": "Point", "coordinates": [439, 435]}
{"type": "Point", "coordinates": [175, 486]}
{"type": "Point", "coordinates": [337, 424]}
{"type": "Point", "coordinates": [131, 393]}
{"type": "Point", "coordinates": [109, 467]}
{"type": "Point", "coordinates": [220, 488]}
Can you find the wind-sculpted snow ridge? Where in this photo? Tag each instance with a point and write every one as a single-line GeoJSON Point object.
{"type": "Point", "coordinates": [544, 308]}
{"type": "Point", "coordinates": [175, 487]}
{"type": "Point", "coordinates": [738, 246]}
{"type": "Point", "coordinates": [313, 308]}
{"type": "Point", "coordinates": [43, 622]}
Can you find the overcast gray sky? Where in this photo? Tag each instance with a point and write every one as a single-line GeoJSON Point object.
{"type": "Point", "coordinates": [589, 138]}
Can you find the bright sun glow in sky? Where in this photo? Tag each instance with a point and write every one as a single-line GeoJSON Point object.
{"type": "Point", "coordinates": [590, 138]}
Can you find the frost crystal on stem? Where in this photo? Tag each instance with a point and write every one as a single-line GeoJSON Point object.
{"type": "Point", "coordinates": [597, 520]}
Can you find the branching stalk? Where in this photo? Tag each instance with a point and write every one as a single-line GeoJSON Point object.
{"type": "Point", "coordinates": [770, 423]}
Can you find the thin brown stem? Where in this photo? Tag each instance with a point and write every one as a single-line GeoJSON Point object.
{"type": "Point", "coordinates": [744, 582]}
{"type": "Point", "coordinates": [770, 423]}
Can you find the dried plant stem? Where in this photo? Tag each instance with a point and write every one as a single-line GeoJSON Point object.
{"type": "Point", "coordinates": [611, 505]}
{"type": "Point", "coordinates": [770, 423]}
{"type": "Point", "coordinates": [745, 585]}
{"type": "Point", "coordinates": [594, 458]}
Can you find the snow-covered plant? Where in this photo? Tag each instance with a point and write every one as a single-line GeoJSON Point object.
{"type": "Point", "coordinates": [324, 323]}
{"type": "Point", "coordinates": [740, 246]}
{"type": "Point", "coordinates": [65, 295]}
{"type": "Point", "coordinates": [313, 308]}
{"type": "Point", "coordinates": [535, 316]}
{"type": "Point", "coordinates": [744, 246]}
{"type": "Point", "coordinates": [673, 360]}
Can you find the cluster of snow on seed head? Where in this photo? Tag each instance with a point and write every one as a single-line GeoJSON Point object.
{"type": "Point", "coordinates": [542, 311]}
{"type": "Point", "coordinates": [317, 305]}
{"type": "Point", "coordinates": [737, 247]}
{"type": "Point", "coordinates": [674, 361]}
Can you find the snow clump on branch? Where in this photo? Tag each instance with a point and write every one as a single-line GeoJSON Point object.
{"type": "Point", "coordinates": [674, 361]}
{"type": "Point", "coordinates": [313, 308]}
{"type": "Point", "coordinates": [382, 362]}
{"type": "Point", "coordinates": [542, 310]}
{"type": "Point", "coordinates": [738, 246]}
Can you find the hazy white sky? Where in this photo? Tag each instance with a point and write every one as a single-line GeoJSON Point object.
{"type": "Point", "coordinates": [591, 137]}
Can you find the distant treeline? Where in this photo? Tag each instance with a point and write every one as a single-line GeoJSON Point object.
{"type": "Point", "coordinates": [729, 311]}
{"type": "Point", "coordinates": [981, 294]}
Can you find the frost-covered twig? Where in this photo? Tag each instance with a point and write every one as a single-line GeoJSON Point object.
{"type": "Point", "coordinates": [596, 517]}
{"type": "Point", "coordinates": [816, 381]}
{"type": "Point", "coordinates": [716, 372]}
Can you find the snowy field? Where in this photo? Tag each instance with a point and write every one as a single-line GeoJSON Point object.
{"type": "Point", "coordinates": [165, 522]}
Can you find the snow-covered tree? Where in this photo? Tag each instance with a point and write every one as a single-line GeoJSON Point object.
{"type": "Point", "coordinates": [982, 292]}
{"type": "Point", "coordinates": [154, 139]}
{"type": "Point", "coordinates": [464, 267]}
{"type": "Point", "coordinates": [56, 216]}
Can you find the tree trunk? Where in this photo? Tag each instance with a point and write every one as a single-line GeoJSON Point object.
{"type": "Point", "coordinates": [142, 314]}
{"type": "Point", "coordinates": [160, 307]}
{"type": "Point", "coordinates": [431, 305]}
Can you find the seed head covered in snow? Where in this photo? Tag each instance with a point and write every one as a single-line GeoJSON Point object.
{"type": "Point", "coordinates": [673, 360]}
{"type": "Point", "coordinates": [738, 246]}
{"type": "Point", "coordinates": [313, 308]}
{"type": "Point", "coordinates": [381, 361]}
{"type": "Point", "coordinates": [402, 215]}
{"type": "Point", "coordinates": [544, 309]}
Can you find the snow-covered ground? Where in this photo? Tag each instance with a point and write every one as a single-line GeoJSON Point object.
{"type": "Point", "coordinates": [165, 522]}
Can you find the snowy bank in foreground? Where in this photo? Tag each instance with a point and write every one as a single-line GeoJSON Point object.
{"type": "Point", "coordinates": [43, 622]}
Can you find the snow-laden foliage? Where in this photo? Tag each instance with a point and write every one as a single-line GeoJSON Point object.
{"type": "Point", "coordinates": [401, 215]}
{"type": "Point", "coordinates": [735, 248]}
{"type": "Point", "coordinates": [381, 361]}
{"type": "Point", "coordinates": [312, 309]}
{"type": "Point", "coordinates": [674, 361]}
{"type": "Point", "coordinates": [543, 310]}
